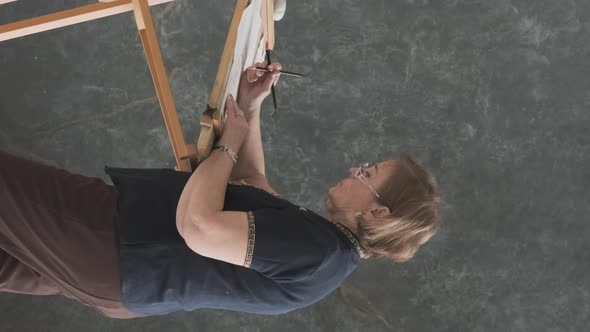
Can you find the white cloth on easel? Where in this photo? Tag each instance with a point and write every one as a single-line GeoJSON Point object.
{"type": "Point", "coordinates": [250, 48]}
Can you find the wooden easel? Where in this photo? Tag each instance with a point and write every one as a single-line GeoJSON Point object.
{"type": "Point", "coordinates": [187, 155]}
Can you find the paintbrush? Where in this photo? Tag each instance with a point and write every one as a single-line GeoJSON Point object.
{"type": "Point", "coordinates": [283, 72]}
{"type": "Point", "coordinates": [274, 96]}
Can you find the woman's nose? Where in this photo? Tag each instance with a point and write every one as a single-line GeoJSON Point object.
{"type": "Point", "coordinates": [351, 171]}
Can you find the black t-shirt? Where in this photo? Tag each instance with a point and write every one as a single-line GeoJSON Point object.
{"type": "Point", "coordinates": [298, 257]}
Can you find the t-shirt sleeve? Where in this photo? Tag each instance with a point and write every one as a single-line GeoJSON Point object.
{"type": "Point", "coordinates": [283, 245]}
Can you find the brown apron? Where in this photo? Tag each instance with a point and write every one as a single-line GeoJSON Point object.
{"type": "Point", "coordinates": [58, 235]}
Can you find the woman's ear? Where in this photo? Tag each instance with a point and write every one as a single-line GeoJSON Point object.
{"type": "Point", "coordinates": [380, 211]}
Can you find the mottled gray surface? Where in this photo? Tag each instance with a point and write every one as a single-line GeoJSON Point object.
{"type": "Point", "coordinates": [491, 96]}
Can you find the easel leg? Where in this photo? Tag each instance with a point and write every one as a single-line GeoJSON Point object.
{"type": "Point", "coordinates": [153, 54]}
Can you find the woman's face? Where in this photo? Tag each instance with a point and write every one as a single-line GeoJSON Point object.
{"type": "Point", "coordinates": [353, 193]}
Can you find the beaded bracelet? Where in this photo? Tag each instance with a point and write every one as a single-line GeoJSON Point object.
{"type": "Point", "coordinates": [232, 154]}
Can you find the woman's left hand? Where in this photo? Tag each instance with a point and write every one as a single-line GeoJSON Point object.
{"type": "Point", "coordinates": [235, 127]}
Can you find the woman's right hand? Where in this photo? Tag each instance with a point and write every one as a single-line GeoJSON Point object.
{"type": "Point", "coordinates": [255, 85]}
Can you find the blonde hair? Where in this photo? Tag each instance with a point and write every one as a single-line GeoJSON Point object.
{"type": "Point", "coordinates": [414, 202]}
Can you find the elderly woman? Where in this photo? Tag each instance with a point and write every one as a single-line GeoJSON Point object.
{"type": "Point", "coordinates": [160, 241]}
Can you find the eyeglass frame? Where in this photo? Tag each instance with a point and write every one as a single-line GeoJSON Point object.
{"type": "Point", "coordinates": [359, 175]}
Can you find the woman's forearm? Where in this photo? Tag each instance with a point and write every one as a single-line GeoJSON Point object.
{"type": "Point", "coordinates": [251, 156]}
{"type": "Point", "coordinates": [205, 190]}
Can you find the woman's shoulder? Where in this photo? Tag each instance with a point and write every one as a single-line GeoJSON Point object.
{"type": "Point", "coordinates": [334, 227]}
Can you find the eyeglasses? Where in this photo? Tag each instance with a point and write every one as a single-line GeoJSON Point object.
{"type": "Point", "coordinates": [359, 175]}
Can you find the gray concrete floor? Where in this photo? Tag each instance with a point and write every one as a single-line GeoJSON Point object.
{"type": "Point", "coordinates": [492, 96]}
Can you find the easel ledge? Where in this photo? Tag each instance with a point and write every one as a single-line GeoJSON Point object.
{"type": "Point", "coordinates": [212, 118]}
